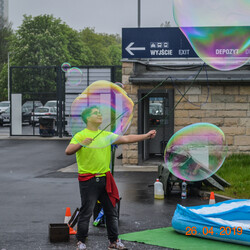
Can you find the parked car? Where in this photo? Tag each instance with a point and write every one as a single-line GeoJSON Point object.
{"type": "Point", "coordinates": [43, 112]}
{"type": "Point", "coordinates": [31, 105]}
{"type": "Point", "coordinates": [3, 106]}
{"type": "Point", "coordinates": [52, 103]}
{"type": "Point", "coordinates": [26, 115]}
{"type": "Point", "coordinates": [5, 116]}
{"type": "Point", "coordinates": [155, 109]}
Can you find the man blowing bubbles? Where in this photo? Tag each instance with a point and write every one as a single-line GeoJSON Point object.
{"type": "Point", "coordinates": [95, 180]}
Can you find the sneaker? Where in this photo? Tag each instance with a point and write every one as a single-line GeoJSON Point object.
{"type": "Point", "coordinates": [119, 157]}
{"type": "Point", "coordinates": [116, 245]}
{"type": "Point", "coordinates": [81, 246]}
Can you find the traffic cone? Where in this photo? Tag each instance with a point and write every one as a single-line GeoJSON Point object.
{"type": "Point", "coordinates": [66, 220]}
{"type": "Point", "coordinates": [212, 199]}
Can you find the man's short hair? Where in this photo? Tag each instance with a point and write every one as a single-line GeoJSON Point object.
{"type": "Point", "coordinates": [87, 113]}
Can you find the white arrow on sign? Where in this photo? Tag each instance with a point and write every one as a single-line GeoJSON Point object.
{"type": "Point", "coordinates": [129, 49]}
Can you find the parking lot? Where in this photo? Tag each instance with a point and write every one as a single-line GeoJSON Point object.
{"type": "Point", "coordinates": [35, 192]}
{"type": "Point", "coordinates": [32, 112]}
{"type": "Point", "coordinates": [27, 129]}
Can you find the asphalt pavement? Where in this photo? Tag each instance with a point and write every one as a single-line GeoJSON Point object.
{"type": "Point", "coordinates": [35, 191]}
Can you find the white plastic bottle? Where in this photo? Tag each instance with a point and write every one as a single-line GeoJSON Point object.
{"type": "Point", "coordinates": [158, 190]}
{"type": "Point", "coordinates": [184, 190]}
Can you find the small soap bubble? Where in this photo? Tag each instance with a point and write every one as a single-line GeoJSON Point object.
{"type": "Point", "coordinates": [74, 76]}
{"type": "Point", "coordinates": [65, 67]}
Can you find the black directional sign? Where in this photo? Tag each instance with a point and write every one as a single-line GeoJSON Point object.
{"type": "Point", "coordinates": [155, 43]}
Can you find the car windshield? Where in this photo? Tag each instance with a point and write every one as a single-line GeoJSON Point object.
{"type": "Point", "coordinates": [28, 105]}
{"type": "Point", "coordinates": [42, 110]}
{"type": "Point", "coordinates": [50, 104]}
{"type": "Point", "coordinates": [7, 110]}
{"type": "Point", "coordinates": [25, 109]}
{"type": "Point", "coordinates": [31, 104]}
{"type": "Point", "coordinates": [4, 104]}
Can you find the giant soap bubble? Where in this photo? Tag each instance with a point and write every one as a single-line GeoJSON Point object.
{"type": "Point", "coordinates": [218, 30]}
{"type": "Point", "coordinates": [196, 152]}
{"type": "Point", "coordinates": [112, 108]}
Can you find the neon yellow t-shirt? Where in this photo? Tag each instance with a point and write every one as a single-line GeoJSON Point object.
{"type": "Point", "coordinates": [93, 160]}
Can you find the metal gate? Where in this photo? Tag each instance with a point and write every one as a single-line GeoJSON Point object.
{"type": "Point", "coordinates": [34, 89]}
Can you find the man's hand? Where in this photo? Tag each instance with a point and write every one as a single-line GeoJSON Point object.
{"type": "Point", "coordinates": [87, 141]}
{"type": "Point", "coordinates": [135, 138]}
{"type": "Point", "coordinates": [151, 134]}
{"type": "Point", "coordinates": [73, 148]}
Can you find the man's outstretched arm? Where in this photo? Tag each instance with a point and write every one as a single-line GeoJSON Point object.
{"type": "Point", "coordinates": [135, 138]}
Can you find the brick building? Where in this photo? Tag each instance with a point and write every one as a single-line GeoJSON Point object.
{"type": "Point", "coordinates": [218, 97]}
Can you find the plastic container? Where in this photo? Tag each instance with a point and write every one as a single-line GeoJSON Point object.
{"type": "Point", "coordinates": [184, 190]}
{"type": "Point", "coordinates": [58, 232]}
{"type": "Point", "coordinates": [158, 190]}
{"type": "Point", "coordinates": [47, 126]}
{"type": "Point", "coordinates": [98, 218]}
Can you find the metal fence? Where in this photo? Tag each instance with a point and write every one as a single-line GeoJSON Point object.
{"type": "Point", "coordinates": [34, 86]}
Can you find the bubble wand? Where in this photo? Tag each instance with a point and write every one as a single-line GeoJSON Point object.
{"type": "Point", "coordinates": [189, 87]}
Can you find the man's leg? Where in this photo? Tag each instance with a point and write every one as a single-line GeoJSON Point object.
{"type": "Point", "coordinates": [89, 192]}
{"type": "Point", "coordinates": [111, 214]}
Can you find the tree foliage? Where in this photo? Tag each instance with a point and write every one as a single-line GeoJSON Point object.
{"type": "Point", "coordinates": [45, 41]}
{"type": "Point", "coordinates": [105, 48]}
{"type": "Point", "coordinates": [4, 82]}
{"type": "Point", "coordinates": [166, 24]}
{"type": "Point", "coordinates": [5, 39]}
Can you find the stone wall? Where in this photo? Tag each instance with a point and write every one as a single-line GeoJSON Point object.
{"type": "Point", "coordinates": [225, 105]}
{"type": "Point", "coordinates": [130, 151]}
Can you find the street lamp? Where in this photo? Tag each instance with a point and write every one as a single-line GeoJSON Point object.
{"type": "Point", "coordinates": [9, 76]}
{"type": "Point", "coordinates": [139, 13]}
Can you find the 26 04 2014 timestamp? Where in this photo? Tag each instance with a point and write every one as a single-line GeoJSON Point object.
{"type": "Point", "coordinates": [221, 231]}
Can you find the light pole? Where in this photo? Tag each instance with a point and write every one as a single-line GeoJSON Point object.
{"type": "Point", "coordinates": [9, 76]}
{"type": "Point", "coordinates": [139, 13]}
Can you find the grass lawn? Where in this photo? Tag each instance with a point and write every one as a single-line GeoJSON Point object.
{"type": "Point", "coordinates": [236, 171]}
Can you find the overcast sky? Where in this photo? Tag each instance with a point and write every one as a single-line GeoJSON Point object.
{"type": "Point", "coordinates": [107, 16]}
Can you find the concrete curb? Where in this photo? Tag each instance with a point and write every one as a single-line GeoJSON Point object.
{"type": "Point", "coordinates": [34, 138]}
{"type": "Point", "coordinates": [207, 194]}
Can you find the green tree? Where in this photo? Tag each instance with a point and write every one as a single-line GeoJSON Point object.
{"type": "Point", "coordinates": [79, 53]}
{"type": "Point", "coordinates": [115, 54]}
{"type": "Point", "coordinates": [105, 48]}
{"type": "Point", "coordinates": [166, 24]}
{"type": "Point", "coordinates": [5, 40]}
{"type": "Point", "coordinates": [4, 82]}
{"type": "Point", "coordinates": [44, 41]}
